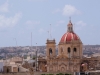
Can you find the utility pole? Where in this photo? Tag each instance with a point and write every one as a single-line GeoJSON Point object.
{"type": "Point", "coordinates": [74, 27]}
{"type": "Point", "coordinates": [31, 42]}
{"type": "Point", "coordinates": [36, 58]}
{"type": "Point", "coordinates": [49, 33]}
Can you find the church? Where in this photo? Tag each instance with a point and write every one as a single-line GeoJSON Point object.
{"type": "Point", "coordinates": [69, 56]}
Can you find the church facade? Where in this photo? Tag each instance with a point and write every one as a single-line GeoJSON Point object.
{"type": "Point", "coordinates": [69, 53]}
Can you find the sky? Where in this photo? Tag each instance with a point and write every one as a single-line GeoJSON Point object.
{"type": "Point", "coordinates": [21, 19]}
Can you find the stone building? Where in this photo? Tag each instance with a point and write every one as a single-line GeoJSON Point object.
{"type": "Point", "coordinates": [13, 65]}
{"type": "Point", "coordinates": [69, 53]}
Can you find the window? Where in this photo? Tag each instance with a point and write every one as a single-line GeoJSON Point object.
{"type": "Point", "coordinates": [75, 49]}
{"type": "Point", "coordinates": [68, 50]}
{"type": "Point", "coordinates": [69, 28]}
{"type": "Point", "coordinates": [50, 51]}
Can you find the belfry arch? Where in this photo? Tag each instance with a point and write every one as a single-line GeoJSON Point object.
{"type": "Point", "coordinates": [68, 50]}
{"type": "Point", "coordinates": [50, 51]}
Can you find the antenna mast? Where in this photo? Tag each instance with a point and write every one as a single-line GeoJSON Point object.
{"type": "Point", "coordinates": [74, 27]}
{"type": "Point", "coordinates": [50, 32]}
{"type": "Point", "coordinates": [31, 39]}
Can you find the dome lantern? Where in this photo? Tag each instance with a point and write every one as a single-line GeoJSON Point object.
{"type": "Point", "coordinates": [70, 26]}
{"type": "Point", "coordinates": [70, 35]}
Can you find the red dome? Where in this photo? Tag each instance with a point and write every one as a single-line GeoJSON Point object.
{"type": "Point", "coordinates": [68, 36]}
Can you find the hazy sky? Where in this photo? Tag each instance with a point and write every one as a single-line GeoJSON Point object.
{"type": "Point", "coordinates": [18, 18]}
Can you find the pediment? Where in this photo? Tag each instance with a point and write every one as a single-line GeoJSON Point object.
{"type": "Point", "coordinates": [62, 64]}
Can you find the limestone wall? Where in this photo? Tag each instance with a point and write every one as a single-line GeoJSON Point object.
{"type": "Point", "coordinates": [39, 73]}
{"type": "Point", "coordinates": [95, 73]}
{"type": "Point", "coordinates": [54, 73]}
{"type": "Point", "coordinates": [14, 74]}
{"type": "Point", "coordinates": [23, 73]}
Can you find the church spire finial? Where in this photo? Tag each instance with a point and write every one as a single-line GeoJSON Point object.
{"type": "Point", "coordinates": [70, 19]}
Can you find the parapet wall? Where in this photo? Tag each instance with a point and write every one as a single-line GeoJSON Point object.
{"type": "Point", "coordinates": [27, 73]}
{"type": "Point", "coordinates": [15, 73]}
{"type": "Point", "coordinates": [39, 73]}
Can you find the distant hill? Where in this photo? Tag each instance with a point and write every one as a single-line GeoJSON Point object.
{"type": "Point", "coordinates": [87, 49]}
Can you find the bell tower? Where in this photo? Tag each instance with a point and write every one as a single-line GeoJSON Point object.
{"type": "Point", "coordinates": [50, 48]}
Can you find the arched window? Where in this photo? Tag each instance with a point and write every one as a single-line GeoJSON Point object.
{"type": "Point", "coordinates": [68, 50]}
{"type": "Point", "coordinates": [18, 69]}
{"type": "Point", "coordinates": [75, 50]}
{"type": "Point", "coordinates": [68, 28]}
{"type": "Point", "coordinates": [7, 70]}
{"type": "Point", "coordinates": [50, 51]}
{"type": "Point", "coordinates": [71, 28]}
